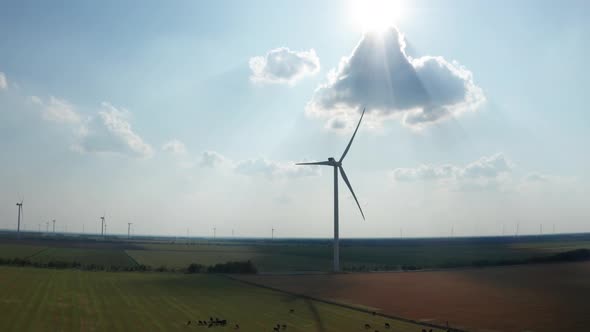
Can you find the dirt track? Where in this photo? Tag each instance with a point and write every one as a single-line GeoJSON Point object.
{"type": "Point", "coordinates": [549, 297]}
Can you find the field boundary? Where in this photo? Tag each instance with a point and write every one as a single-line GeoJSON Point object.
{"type": "Point", "coordinates": [37, 253]}
{"type": "Point", "coordinates": [131, 258]}
{"type": "Point", "coordinates": [345, 305]}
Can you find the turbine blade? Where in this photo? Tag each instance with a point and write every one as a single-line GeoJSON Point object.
{"type": "Point", "coordinates": [351, 191]}
{"type": "Point", "coordinates": [325, 163]}
{"type": "Point", "coordinates": [352, 138]}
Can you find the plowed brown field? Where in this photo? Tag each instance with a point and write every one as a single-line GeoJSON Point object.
{"type": "Point", "coordinates": [546, 298]}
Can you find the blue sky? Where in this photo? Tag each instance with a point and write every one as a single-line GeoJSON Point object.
{"type": "Point", "coordinates": [190, 115]}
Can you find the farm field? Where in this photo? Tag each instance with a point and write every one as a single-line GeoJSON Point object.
{"type": "Point", "coordinates": [10, 250]}
{"type": "Point", "coordinates": [104, 257]}
{"type": "Point", "coordinates": [543, 297]}
{"type": "Point", "coordinates": [286, 256]}
{"type": "Point", "coordinates": [71, 300]}
{"type": "Point", "coordinates": [290, 255]}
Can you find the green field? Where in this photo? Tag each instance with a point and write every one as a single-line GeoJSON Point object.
{"type": "Point", "coordinates": [283, 257]}
{"type": "Point", "coordinates": [10, 250]}
{"type": "Point", "coordinates": [104, 257]}
{"type": "Point", "coordinates": [71, 300]}
{"type": "Point", "coordinates": [289, 256]}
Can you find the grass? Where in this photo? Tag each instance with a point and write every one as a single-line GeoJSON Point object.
{"type": "Point", "coordinates": [104, 257]}
{"type": "Point", "coordinates": [9, 250]}
{"type": "Point", "coordinates": [71, 300]}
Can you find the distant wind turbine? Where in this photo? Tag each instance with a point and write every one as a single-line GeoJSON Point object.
{"type": "Point", "coordinates": [272, 234]}
{"type": "Point", "coordinates": [337, 165]}
{"type": "Point", "coordinates": [129, 230]}
{"type": "Point", "coordinates": [20, 214]}
{"type": "Point", "coordinates": [102, 225]}
{"type": "Point", "coordinates": [53, 226]}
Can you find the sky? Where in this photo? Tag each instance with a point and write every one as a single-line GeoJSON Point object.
{"type": "Point", "coordinates": [186, 116]}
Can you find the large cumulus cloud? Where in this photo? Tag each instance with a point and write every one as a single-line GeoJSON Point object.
{"type": "Point", "coordinates": [380, 76]}
{"type": "Point", "coordinates": [281, 65]}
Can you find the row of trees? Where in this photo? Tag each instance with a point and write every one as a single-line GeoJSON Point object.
{"type": "Point", "coordinates": [229, 267]}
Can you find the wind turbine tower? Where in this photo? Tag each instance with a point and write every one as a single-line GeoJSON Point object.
{"type": "Point", "coordinates": [129, 230]}
{"type": "Point", "coordinates": [337, 166]}
{"type": "Point", "coordinates": [102, 226]}
{"type": "Point", "coordinates": [272, 234]}
{"type": "Point", "coordinates": [53, 226]}
{"type": "Point", "coordinates": [20, 212]}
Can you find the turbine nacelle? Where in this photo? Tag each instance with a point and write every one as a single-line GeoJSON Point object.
{"type": "Point", "coordinates": [333, 162]}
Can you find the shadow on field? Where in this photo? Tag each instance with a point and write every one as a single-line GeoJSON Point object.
{"type": "Point", "coordinates": [288, 298]}
{"type": "Point", "coordinates": [315, 314]}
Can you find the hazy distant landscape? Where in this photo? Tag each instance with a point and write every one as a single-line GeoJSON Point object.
{"type": "Point", "coordinates": [289, 255]}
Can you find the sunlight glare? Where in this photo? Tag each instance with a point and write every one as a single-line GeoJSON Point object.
{"type": "Point", "coordinates": [375, 15]}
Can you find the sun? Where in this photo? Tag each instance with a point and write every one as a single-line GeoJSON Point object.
{"type": "Point", "coordinates": [375, 15]}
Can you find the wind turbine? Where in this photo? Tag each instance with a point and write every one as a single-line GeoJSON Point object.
{"type": "Point", "coordinates": [129, 230]}
{"type": "Point", "coordinates": [272, 234]}
{"type": "Point", "coordinates": [53, 226]}
{"type": "Point", "coordinates": [337, 165]}
{"type": "Point", "coordinates": [102, 226]}
{"type": "Point", "coordinates": [20, 213]}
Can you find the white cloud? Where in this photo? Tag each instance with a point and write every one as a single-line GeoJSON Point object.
{"type": "Point", "coordinates": [110, 132]}
{"type": "Point", "coordinates": [274, 169]}
{"type": "Point", "coordinates": [536, 177]}
{"type": "Point", "coordinates": [282, 65]}
{"type": "Point", "coordinates": [256, 167]}
{"type": "Point", "coordinates": [486, 172]}
{"type": "Point", "coordinates": [57, 110]}
{"type": "Point", "coordinates": [175, 147]}
{"type": "Point", "coordinates": [211, 159]}
{"type": "Point", "coordinates": [380, 76]}
{"type": "Point", "coordinates": [3, 81]}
